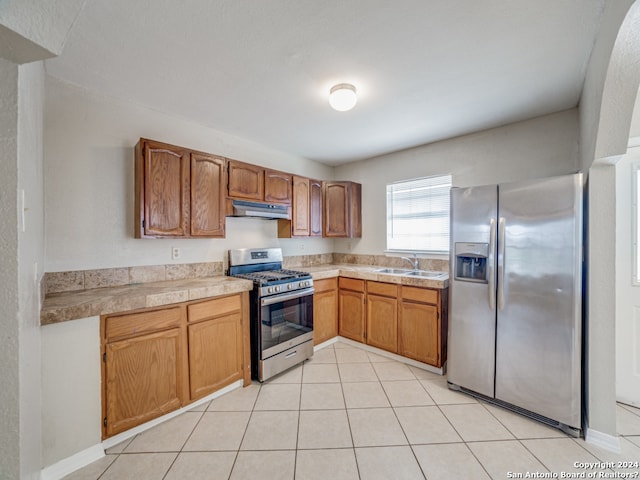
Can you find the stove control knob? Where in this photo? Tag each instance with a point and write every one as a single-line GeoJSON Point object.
{"type": "Point", "coordinates": [277, 288]}
{"type": "Point", "coordinates": [289, 286]}
{"type": "Point", "coordinates": [270, 290]}
{"type": "Point", "coordinates": [301, 284]}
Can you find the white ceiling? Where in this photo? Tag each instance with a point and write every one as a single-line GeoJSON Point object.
{"type": "Point", "coordinates": [425, 70]}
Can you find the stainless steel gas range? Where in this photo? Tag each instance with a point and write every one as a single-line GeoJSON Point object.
{"type": "Point", "coordinates": [281, 310]}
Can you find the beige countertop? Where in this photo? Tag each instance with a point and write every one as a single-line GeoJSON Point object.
{"type": "Point", "coordinates": [61, 307]}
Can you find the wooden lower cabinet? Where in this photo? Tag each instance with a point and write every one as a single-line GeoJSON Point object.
{"type": "Point", "coordinates": [144, 377]}
{"type": "Point", "coordinates": [409, 321]}
{"type": "Point", "coordinates": [351, 309]}
{"type": "Point", "coordinates": [325, 310]}
{"type": "Point", "coordinates": [382, 316]}
{"type": "Point", "coordinates": [158, 360]}
{"type": "Point", "coordinates": [423, 325]}
{"type": "Point", "coordinates": [215, 345]}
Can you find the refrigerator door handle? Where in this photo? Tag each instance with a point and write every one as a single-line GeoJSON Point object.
{"type": "Point", "coordinates": [501, 237]}
{"type": "Point", "coordinates": [491, 262]}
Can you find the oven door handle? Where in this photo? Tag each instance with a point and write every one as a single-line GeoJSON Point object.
{"type": "Point", "coordinates": [282, 297]}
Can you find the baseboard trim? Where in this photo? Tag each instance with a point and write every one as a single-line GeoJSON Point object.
{"type": "Point", "coordinates": [602, 440]}
{"type": "Point", "coordinates": [326, 343]}
{"type": "Point", "coordinates": [70, 464]}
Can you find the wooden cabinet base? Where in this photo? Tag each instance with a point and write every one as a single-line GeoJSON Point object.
{"type": "Point", "coordinates": [158, 360]}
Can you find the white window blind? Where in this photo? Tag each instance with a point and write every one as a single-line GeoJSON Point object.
{"type": "Point", "coordinates": [418, 214]}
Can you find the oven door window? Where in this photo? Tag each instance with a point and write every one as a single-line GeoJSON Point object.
{"type": "Point", "coordinates": [283, 321]}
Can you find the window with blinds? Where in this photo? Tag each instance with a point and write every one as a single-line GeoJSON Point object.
{"type": "Point", "coordinates": [418, 214]}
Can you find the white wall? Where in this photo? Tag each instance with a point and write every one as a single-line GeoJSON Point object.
{"type": "Point", "coordinates": [31, 262]}
{"type": "Point", "coordinates": [9, 293]}
{"type": "Point", "coordinates": [541, 147]}
{"type": "Point", "coordinates": [22, 96]}
{"type": "Point", "coordinates": [627, 294]}
{"type": "Point", "coordinates": [606, 108]}
{"type": "Point", "coordinates": [634, 130]}
{"type": "Point", "coordinates": [89, 141]}
{"type": "Point", "coordinates": [71, 412]}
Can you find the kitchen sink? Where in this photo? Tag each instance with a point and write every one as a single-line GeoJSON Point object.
{"type": "Point", "coordinates": [395, 271]}
{"type": "Point", "coordinates": [427, 274]}
{"type": "Point", "coordinates": [414, 273]}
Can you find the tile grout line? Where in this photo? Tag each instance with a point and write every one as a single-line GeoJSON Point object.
{"type": "Point", "coordinates": [346, 411]}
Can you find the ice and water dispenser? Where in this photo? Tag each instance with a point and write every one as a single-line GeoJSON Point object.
{"type": "Point", "coordinates": [471, 262]}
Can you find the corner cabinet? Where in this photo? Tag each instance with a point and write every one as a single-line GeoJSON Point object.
{"type": "Point", "coordinates": [178, 192]}
{"type": "Point", "coordinates": [342, 209]}
{"type": "Point", "coordinates": [157, 360]}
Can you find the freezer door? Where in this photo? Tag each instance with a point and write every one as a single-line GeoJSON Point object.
{"type": "Point", "coordinates": [472, 326]}
{"type": "Point", "coordinates": [539, 326]}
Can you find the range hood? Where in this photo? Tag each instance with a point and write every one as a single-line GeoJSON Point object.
{"type": "Point", "coordinates": [242, 208]}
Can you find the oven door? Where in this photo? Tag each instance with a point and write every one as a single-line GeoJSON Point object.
{"type": "Point", "coordinates": [285, 320]}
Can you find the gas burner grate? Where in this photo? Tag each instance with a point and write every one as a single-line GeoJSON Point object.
{"type": "Point", "coordinates": [270, 276]}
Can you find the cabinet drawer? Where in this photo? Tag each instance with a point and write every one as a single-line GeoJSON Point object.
{"type": "Point", "coordinates": [384, 289]}
{"type": "Point", "coordinates": [352, 284]}
{"type": "Point", "coordinates": [425, 295]}
{"type": "Point", "coordinates": [213, 308]}
{"type": "Point", "coordinates": [134, 324]}
{"type": "Point", "coordinates": [325, 284]}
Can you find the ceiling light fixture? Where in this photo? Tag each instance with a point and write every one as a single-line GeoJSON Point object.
{"type": "Point", "coordinates": [342, 97]}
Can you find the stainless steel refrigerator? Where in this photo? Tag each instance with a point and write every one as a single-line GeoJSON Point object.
{"type": "Point", "coordinates": [515, 318]}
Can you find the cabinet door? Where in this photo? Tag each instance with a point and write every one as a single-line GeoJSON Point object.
{"type": "Point", "coordinates": [207, 195]}
{"type": "Point", "coordinates": [382, 316]}
{"type": "Point", "coordinates": [300, 207]}
{"type": "Point", "coordinates": [165, 184]}
{"type": "Point", "coordinates": [277, 187]}
{"type": "Point", "coordinates": [315, 208]}
{"type": "Point", "coordinates": [352, 315]}
{"type": "Point", "coordinates": [325, 310]}
{"type": "Point", "coordinates": [355, 210]}
{"type": "Point", "coordinates": [246, 181]}
{"type": "Point", "coordinates": [336, 209]}
{"type": "Point", "coordinates": [143, 379]}
{"type": "Point", "coordinates": [420, 332]}
{"type": "Point", "coordinates": [215, 354]}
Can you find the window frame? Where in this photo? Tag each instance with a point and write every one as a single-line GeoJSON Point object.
{"type": "Point", "coordinates": [430, 252]}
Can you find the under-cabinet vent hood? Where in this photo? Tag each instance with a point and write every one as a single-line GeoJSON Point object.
{"type": "Point", "coordinates": [242, 208]}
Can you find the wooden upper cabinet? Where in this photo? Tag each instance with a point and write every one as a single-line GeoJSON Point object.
{"type": "Point", "coordinates": [246, 181]}
{"type": "Point", "coordinates": [208, 181]}
{"type": "Point", "coordinates": [179, 192]}
{"type": "Point", "coordinates": [306, 206]}
{"type": "Point", "coordinates": [300, 207]}
{"type": "Point", "coordinates": [342, 209]}
{"type": "Point", "coordinates": [315, 208]}
{"type": "Point", "coordinates": [277, 187]}
{"type": "Point", "coordinates": [162, 189]}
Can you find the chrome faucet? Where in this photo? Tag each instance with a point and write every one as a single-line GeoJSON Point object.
{"type": "Point", "coordinates": [414, 262]}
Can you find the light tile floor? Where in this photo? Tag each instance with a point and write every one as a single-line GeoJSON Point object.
{"type": "Point", "coordinates": [351, 414]}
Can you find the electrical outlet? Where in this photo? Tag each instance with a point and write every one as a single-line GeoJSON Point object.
{"type": "Point", "coordinates": [175, 253]}
{"type": "Point", "coordinates": [302, 246]}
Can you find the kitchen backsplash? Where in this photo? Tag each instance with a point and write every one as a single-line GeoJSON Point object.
{"type": "Point", "coordinates": [56, 282]}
